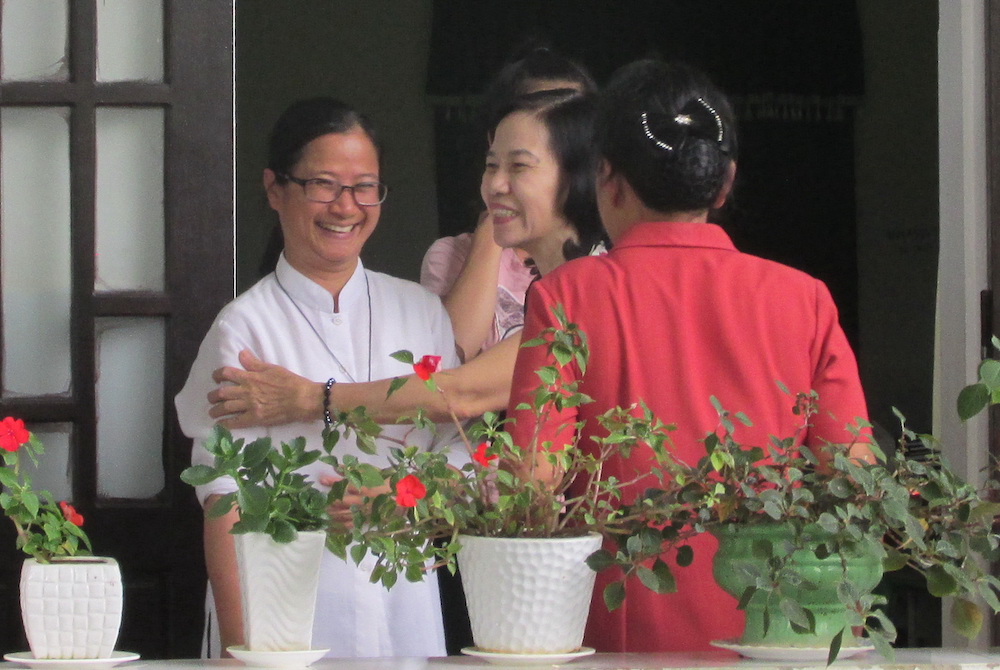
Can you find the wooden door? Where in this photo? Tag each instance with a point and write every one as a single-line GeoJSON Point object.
{"type": "Point", "coordinates": [116, 180]}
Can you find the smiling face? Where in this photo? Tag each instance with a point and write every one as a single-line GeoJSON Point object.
{"type": "Point", "coordinates": [323, 240]}
{"type": "Point", "coordinates": [521, 185]}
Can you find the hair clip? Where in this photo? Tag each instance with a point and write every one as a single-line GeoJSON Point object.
{"type": "Point", "coordinates": [715, 115]}
{"type": "Point", "coordinates": [651, 136]}
{"type": "Point", "coordinates": [691, 120]}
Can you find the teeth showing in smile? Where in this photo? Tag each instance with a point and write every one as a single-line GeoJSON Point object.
{"type": "Point", "coordinates": [504, 213]}
{"type": "Point", "coordinates": [335, 229]}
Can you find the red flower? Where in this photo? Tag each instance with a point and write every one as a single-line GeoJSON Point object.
{"type": "Point", "coordinates": [13, 434]}
{"type": "Point", "coordinates": [409, 490]}
{"type": "Point", "coordinates": [426, 366]}
{"type": "Point", "coordinates": [71, 514]}
{"type": "Point", "coordinates": [480, 455]}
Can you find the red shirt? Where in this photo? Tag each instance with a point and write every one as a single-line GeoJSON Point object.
{"type": "Point", "coordinates": [674, 314]}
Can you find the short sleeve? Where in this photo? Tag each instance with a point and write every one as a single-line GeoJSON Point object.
{"type": "Point", "coordinates": [835, 378]}
{"type": "Point", "coordinates": [443, 262]}
{"type": "Point", "coordinates": [220, 347]}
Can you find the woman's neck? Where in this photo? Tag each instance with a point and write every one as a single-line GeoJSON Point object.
{"type": "Point", "coordinates": [547, 253]}
{"type": "Point", "coordinates": [331, 279]}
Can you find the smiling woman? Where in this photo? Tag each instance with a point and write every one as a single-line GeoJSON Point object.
{"type": "Point", "coordinates": [323, 316]}
{"type": "Point", "coordinates": [538, 184]}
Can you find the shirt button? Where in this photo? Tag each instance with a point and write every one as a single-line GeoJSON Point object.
{"type": "Point", "coordinates": [337, 320]}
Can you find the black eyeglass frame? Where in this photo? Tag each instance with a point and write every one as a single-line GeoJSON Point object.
{"type": "Point", "coordinates": [383, 188]}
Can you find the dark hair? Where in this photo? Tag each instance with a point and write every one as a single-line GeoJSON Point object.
{"type": "Point", "coordinates": [669, 131]}
{"type": "Point", "coordinates": [304, 121]}
{"type": "Point", "coordinates": [568, 116]}
{"type": "Point", "coordinates": [531, 63]}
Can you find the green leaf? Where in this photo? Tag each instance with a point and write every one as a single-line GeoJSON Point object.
{"type": "Point", "coordinates": [371, 476]}
{"type": "Point", "coordinates": [659, 579]}
{"type": "Point", "coordinates": [253, 500]}
{"type": "Point", "coordinates": [939, 582]}
{"type": "Point", "coordinates": [894, 560]}
{"type": "Point", "coordinates": [222, 506]}
{"type": "Point", "coordinates": [614, 595]}
{"type": "Point", "coordinates": [30, 502]}
{"type": "Point", "coordinates": [358, 552]}
{"type": "Point", "coordinates": [256, 452]}
{"type": "Point", "coordinates": [403, 356]}
{"type": "Point", "coordinates": [250, 524]}
{"type": "Point", "coordinates": [282, 531]}
{"type": "Point", "coordinates": [972, 400]}
{"type": "Point", "coordinates": [989, 373]}
{"type": "Point", "coordinates": [389, 579]}
{"type": "Point", "coordinates": [840, 487]}
{"type": "Point", "coordinates": [600, 560]}
{"type": "Point", "coordinates": [395, 385]}
{"type": "Point", "coordinates": [966, 618]}
{"type": "Point", "coordinates": [745, 598]}
{"type": "Point", "coordinates": [366, 443]}
{"type": "Point", "coordinates": [414, 572]}
{"type": "Point", "coordinates": [797, 615]}
{"type": "Point", "coordinates": [196, 475]}
{"type": "Point", "coordinates": [685, 555]}
{"type": "Point", "coordinates": [835, 643]}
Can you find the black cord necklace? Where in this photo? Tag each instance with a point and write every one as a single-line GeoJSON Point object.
{"type": "Point", "coordinates": [336, 360]}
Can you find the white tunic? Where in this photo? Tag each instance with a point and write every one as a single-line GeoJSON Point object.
{"type": "Point", "coordinates": [289, 320]}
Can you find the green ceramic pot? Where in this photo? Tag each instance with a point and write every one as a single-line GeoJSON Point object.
{"type": "Point", "coordinates": [736, 546]}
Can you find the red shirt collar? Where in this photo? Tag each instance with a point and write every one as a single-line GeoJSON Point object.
{"type": "Point", "coordinates": [675, 234]}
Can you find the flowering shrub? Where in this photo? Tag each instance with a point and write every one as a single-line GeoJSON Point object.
{"type": "Point", "coordinates": [416, 524]}
{"type": "Point", "coordinates": [903, 509]}
{"type": "Point", "coordinates": [45, 530]}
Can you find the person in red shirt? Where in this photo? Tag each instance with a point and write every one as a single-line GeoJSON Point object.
{"type": "Point", "coordinates": [675, 314]}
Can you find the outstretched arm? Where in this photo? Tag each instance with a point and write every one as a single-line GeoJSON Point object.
{"type": "Point", "coordinates": [269, 395]}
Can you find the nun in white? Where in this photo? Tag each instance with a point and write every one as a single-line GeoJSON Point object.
{"type": "Point", "coordinates": [321, 314]}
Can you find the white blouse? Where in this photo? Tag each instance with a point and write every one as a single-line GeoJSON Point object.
{"type": "Point", "coordinates": [289, 320]}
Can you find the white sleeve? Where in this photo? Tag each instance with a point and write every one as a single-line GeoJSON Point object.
{"type": "Point", "coordinates": [220, 347]}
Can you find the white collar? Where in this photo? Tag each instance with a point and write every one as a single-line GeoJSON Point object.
{"type": "Point", "coordinates": [310, 294]}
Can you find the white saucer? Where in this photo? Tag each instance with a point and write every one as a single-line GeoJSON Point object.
{"type": "Point", "coordinates": [27, 658]}
{"type": "Point", "coordinates": [527, 659]}
{"type": "Point", "coordinates": [276, 659]}
{"type": "Point", "coordinates": [795, 654]}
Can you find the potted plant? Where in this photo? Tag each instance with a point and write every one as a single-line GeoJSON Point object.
{"type": "Point", "coordinates": [279, 537]}
{"type": "Point", "coordinates": [58, 551]}
{"type": "Point", "coordinates": [899, 510]}
{"type": "Point", "coordinates": [854, 518]}
{"type": "Point", "coordinates": [532, 538]}
{"type": "Point", "coordinates": [802, 546]}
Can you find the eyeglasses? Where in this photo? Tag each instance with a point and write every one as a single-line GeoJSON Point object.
{"type": "Point", "coordinates": [366, 193]}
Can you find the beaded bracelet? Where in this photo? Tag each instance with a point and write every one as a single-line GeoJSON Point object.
{"type": "Point", "coordinates": [327, 417]}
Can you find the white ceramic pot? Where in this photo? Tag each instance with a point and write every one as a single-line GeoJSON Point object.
{"type": "Point", "coordinates": [525, 595]}
{"type": "Point", "coordinates": [278, 584]}
{"type": "Point", "coordinates": [71, 607]}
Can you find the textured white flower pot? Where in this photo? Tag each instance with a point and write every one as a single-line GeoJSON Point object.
{"type": "Point", "coordinates": [71, 608]}
{"type": "Point", "coordinates": [527, 596]}
{"type": "Point", "coordinates": [278, 584]}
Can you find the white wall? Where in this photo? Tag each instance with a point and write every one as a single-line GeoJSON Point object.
{"type": "Point", "coordinates": [963, 242]}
